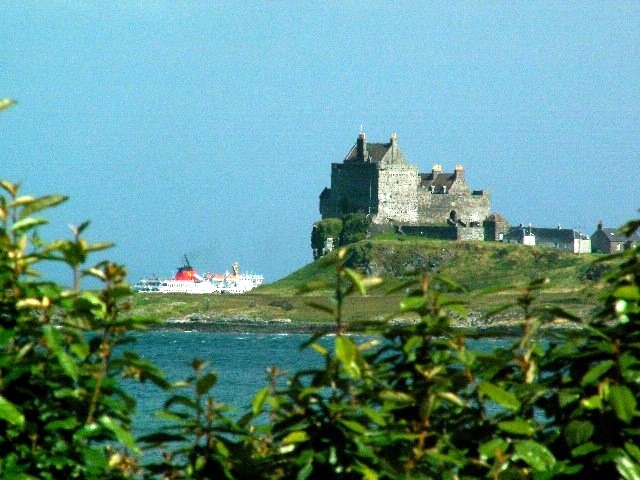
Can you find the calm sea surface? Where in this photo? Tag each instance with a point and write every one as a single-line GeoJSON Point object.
{"type": "Point", "coordinates": [240, 360]}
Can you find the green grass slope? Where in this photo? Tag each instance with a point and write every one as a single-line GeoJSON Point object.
{"type": "Point", "coordinates": [476, 266]}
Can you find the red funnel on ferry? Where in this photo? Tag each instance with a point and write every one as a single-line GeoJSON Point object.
{"type": "Point", "coordinates": [185, 272]}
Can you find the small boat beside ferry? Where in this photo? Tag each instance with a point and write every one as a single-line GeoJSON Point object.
{"type": "Point", "coordinates": [187, 280]}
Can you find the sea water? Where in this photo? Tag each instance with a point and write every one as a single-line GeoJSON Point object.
{"type": "Point", "coordinates": [240, 360]}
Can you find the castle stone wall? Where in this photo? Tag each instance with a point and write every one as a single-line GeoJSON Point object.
{"type": "Point", "coordinates": [397, 195]}
{"type": "Point", "coordinates": [437, 208]}
{"type": "Point", "coordinates": [471, 233]}
{"type": "Point", "coordinates": [444, 233]}
{"type": "Point", "coordinates": [354, 188]}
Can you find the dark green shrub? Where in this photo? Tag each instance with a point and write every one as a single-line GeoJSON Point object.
{"type": "Point", "coordinates": [354, 228]}
{"type": "Point", "coordinates": [322, 230]}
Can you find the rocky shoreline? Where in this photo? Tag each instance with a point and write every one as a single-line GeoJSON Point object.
{"type": "Point", "coordinates": [472, 325]}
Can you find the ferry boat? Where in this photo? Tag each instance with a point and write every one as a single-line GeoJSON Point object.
{"type": "Point", "coordinates": [187, 280]}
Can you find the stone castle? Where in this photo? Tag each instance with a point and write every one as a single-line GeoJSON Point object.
{"type": "Point", "coordinates": [376, 179]}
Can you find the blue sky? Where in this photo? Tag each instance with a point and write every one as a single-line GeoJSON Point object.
{"type": "Point", "coordinates": [209, 128]}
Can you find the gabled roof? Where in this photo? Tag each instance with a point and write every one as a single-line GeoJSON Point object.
{"type": "Point", "coordinates": [376, 152]}
{"type": "Point", "coordinates": [614, 235]}
{"type": "Point", "coordinates": [565, 235]}
{"type": "Point", "coordinates": [440, 180]}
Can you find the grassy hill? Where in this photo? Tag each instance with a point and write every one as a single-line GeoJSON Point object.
{"type": "Point", "coordinates": [476, 266]}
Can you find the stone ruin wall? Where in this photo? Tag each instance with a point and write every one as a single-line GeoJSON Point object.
{"type": "Point", "coordinates": [436, 208]}
{"type": "Point", "coordinates": [398, 196]}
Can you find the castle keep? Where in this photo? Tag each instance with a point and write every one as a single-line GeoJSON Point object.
{"type": "Point", "coordinates": [376, 179]}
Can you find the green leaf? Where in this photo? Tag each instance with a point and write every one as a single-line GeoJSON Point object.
{"type": "Point", "coordinates": [305, 471]}
{"type": "Point", "coordinates": [320, 349]}
{"type": "Point", "coordinates": [535, 454]}
{"type": "Point", "coordinates": [91, 456]}
{"type": "Point", "coordinates": [42, 203]}
{"type": "Point", "coordinates": [67, 362]}
{"type": "Point", "coordinates": [89, 302]}
{"type": "Point", "coordinates": [320, 306]}
{"type": "Point", "coordinates": [596, 372]}
{"type": "Point", "coordinates": [27, 224]}
{"type": "Point", "coordinates": [366, 472]}
{"type": "Point", "coordinates": [586, 449]}
{"type": "Point", "coordinates": [374, 415]}
{"type": "Point", "coordinates": [80, 349]}
{"type": "Point", "coordinates": [493, 448]}
{"type": "Point", "coordinates": [411, 304]}
{"type": "Point", "coordinates": [98, 246]}
{"type": "Point", "coordinates": [400, 398]}
{"type": "Point", "coordinates": [354, 426]}
{"type": "Point", "coordinates": [450, 283]}
{"type": "Point", "coordinates": [11, 188]}
{"type": "Point", "coordinates": [204, 383]}
{"type": "Point", "coordinates": [222, 449]}
{"type": "Point", "coordinates": [518, 427]}
{"type": "Point", "coordinates": [10, 413]}
{"type": "Point", "coordinates": [298, 436]}
{"type": "Point", "coordinates": [22, 200]}
{"type": "Point", "coordinates": [499, 395]}
{"type": "Point", "coordinates": [357, 279]}
{"type": "Point", "coordinates": [181, 400]}
{"type": "Point", "coordinates": [451, 397]}
{"type": "Point", "coordinates": [6, 103]}
{"type": "Point", "coordinates": [578, 432]}
{"type": "Point", "coordinates": [592, 403]}
{"type": "Point", "coordinates": [627, 292]}
{"type": "Point", "coordinates": [68, 423]}
{"type": "Point", "coordinates": [567, 396]}
{"type": "Point", "coordinates": [560, 312]}
{"type": "Point", "coordinates": [623, 402]}
{"type": "Point", "coordinates": [633, 450]}
{"type": "Point", "coordinates": [627, 468]}
{"type": "Point", "coordinates": [258, 400]}
{"type": "Point", "coordinates": [370, 282]}
{"type": "Point", "coordinates": [348, 354]}
{"type": "Point", "coordinates": [125, 437]}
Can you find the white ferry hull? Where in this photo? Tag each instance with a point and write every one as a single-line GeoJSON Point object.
{"type": "Point", "coordinates": [235, 283]}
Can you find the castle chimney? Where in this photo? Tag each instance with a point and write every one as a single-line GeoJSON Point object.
{"type": "Point", "coordinates": [459, 173]}
{"type": "Point", "coordinates": [362, 147]}
{"type": "Point", "coordinates": [394, 145]}
{"type": "Point", "coordinates": [435, 170]}
{"type": "Point", "coordinates": [600, 225]}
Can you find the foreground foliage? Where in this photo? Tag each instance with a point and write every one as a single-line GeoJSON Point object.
{"type": "Point", "coordinates": [416, 401]}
